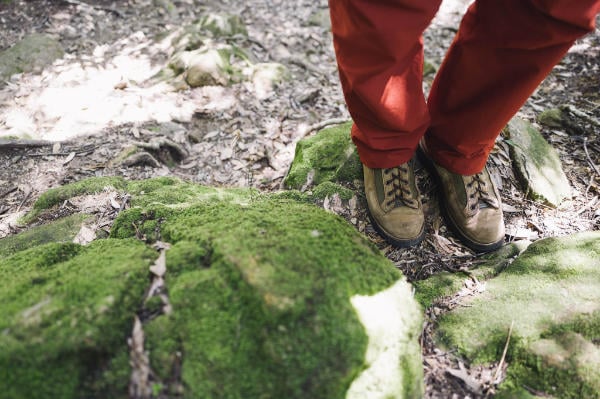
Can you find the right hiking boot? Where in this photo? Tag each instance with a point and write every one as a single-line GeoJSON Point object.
{"type": "Point", "coordinates": [394, 204]}
{"type": "Point", "coordinates": [472, 206]}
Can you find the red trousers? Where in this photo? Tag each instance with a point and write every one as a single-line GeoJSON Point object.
{"type": "Point", "coordinates": [501, 53]}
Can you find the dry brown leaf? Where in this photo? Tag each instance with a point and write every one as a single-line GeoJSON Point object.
{"type": "Point", "coordinates": [69, 158]}
{"type": "Point", "coordinates": [463, 374]}
{"type": "Point", "coordinates": [85, 236]}
{"type": "Point", "coordinates": [159, 268]}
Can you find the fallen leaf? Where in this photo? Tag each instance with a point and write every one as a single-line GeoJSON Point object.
{"type": "Point", "coordinates": [114, 203]}
{"type": "Point", "coordinates": [464, 375]}
{"type": "Point", "coordinates": [69, 158]}
{"type": "Point", "coordinates": [85, 235]}
{"type": "Point", "coordinates": [159, 268]}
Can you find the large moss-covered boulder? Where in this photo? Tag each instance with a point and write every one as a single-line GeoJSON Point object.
{"type": "Point", "coordinates": [268, 296]}
{"type": "Point", "coordinates": [551, 296]}
{"type": "Point", "coordinates": [276, 298]}
{"type": "Point", "coordinates": [65, 314]}
{"type": "Point", "coordinates": [328, 156]}
{"type": "Point", "coordinates": [32, 53]}
{"type": "Point", "coordinates": [537, 164]}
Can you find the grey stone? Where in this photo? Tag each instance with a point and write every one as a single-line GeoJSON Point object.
{"type": "Point", "coordinates": [222, 25]}
{"type": "Point", "coordinates": [537, 164]}
{"type": "Point", "coordinates": [266, 75]}
{"type": "Point", "coordinates": [320, 18]}
{"type": "Point", "coordinates": [31, 54]}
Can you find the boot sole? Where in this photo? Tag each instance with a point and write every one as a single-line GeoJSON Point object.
{"type": "Point", "coordinates": [400, 243]}
{"type": "Point", "coordinates": [474, 245]}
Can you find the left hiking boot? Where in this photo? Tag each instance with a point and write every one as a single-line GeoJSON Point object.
{"type": "Point", "coordinates": [472, 206]}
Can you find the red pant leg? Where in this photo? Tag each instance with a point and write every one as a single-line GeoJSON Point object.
{"type": "Point", "coordinates": [380, 59]}
{"type": "Point", "coordinates": [503, 50]}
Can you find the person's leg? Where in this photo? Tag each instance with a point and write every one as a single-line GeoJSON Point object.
{"type": "Point", "coordinates": [379, 52]}
{"type": "Point", "coordinates": [501, 53]}
{"type": "Point", "coordinates": [380, 59]}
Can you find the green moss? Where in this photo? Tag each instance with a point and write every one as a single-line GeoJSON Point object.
{"type": "Point", "coordinates": [537, 164]}
{"type": "Point", "coordinates": [551, 118]}
{"type": "Point", "coordinates": [446, 284]}
{"type": "Point", "coordinates": [330, 155]}
{"type": "Point", "coordinates": [35, 51]}
{"type": "Point", "coordinates": [171, 191]}
{"type": "Point", "coordinates": [57, 195]}
{"type": "Point", "coordinates": [260, 287]}
{"type": "Point", "coordinates": [221, 25]}
{"type": "Point", "coordinates": [428, 68]}
{"type": "Point", "coordinates": [66, 312]}
{"type": "Point", "coordinates": [551, 293]}
{"type": "Point", "coordinates": [253, 283]}
{"type": "Point", "coordinates": [438, 286]}
{"type": "Point", "coordinates": [61, 230]}
{"type": "Point", "coordinates": [328, 189]}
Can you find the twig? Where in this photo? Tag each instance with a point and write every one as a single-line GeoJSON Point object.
{"type": "Point", "coordinates": [59, 154]}
{"type": "Point", "coordinates": [25, 198]}
{"type": "Point", "coordinates": [11, 144]}
{"type": "Point", "coordinates": [293, 59]}
{"type": "Point", "coordinates": [581, 114]}
{"type": "Point", "coordinates": [104, 8]}
{"type": "Point", "coordinates": [6, 192]}
{"type": "Point", "coordinates": [323, 124]}
{"type": "Point", "coordinates": [497, 373]}
{"type": "Point", "coordinates": [587, 155]}
{"type": "Point", "coordinates": [590, 204]}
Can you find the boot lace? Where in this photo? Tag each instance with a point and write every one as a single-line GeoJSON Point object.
{"type": "Point", "coordinates": [398, 189]}
{"type": "Point", "coordinates": [480, 193]}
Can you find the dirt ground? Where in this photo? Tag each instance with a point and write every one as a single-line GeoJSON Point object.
{"type": "Point", "coordinates": [228, 137]}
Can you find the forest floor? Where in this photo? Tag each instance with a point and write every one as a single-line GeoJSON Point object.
{"type": "Point", "coordinates": [232, 138]}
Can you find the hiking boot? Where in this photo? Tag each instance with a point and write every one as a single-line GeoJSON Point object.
{"type": "Point", "coordinates": [472, 207]}
{"type": "Point", "coordinates": [394, 205]}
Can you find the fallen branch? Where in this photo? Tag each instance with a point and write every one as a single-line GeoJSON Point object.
{"type": "Point", "coordinates": [12, 144]}
{"type": "Point", "coordinates": [96, 7]}
{"type": "Point", "coordinates": [301, 62]}
{"type": "Point", "coordinates": [323, 124]}
{"type": "Point", "coordinates": [497, 373]}
{"type": "Point", "coordinates": [8, 191]}
{"type": "Point", "coordinates": [576, 112]}
{"type": "Point", "coordinates": [587, 155]}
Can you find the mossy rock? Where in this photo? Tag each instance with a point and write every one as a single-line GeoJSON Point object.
{"type": "Point", "coordinates": [446, 284]}
{"type": "Point", "coordinates": [265, 76]}
{"type": "Point", "coordinates": [65, 314]}
{"type": "Point", "coordinates": [551, 118]}
{"type": "Point", "coordinates": [564, 118]}
{"type": "Point", "coordinates": [329, 155]}
{"type": "Point", "coordinates": [61, 230]}
{"type": "Point", "coordinates": [57, 195]}
{"type": "Point", "coordinates": [275, 298]}
{"type": "Point", "coordinates": [537, 164]}
{"type": "Point", "coordinates": [329, 189]}
{"type": "Point", "coordinates": [222, 25]}
{"type": "Point", "coordinates": [31, 54]}
{"type": "Point", "coordinates": [551, 293]}
{"type": "Point", "coordinates": [270, 296]}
